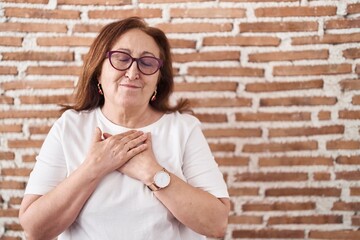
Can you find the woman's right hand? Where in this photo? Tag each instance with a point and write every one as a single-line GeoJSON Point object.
{"type": "Point", "coordinates": [109, 154]}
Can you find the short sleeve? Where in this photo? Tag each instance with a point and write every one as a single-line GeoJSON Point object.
{"type": "Point", "coordinates": [50, 167]}
{"type": "Point", "coordinates": [199, 166]}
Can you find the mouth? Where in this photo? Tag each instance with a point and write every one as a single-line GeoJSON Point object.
{"type": "Point", "coordinates": [129, 86]}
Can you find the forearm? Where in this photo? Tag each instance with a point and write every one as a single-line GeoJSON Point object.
{"type": "Point", "coordinates": [52, 213]}
{"type": "Point", "coordinates": [197, 209]}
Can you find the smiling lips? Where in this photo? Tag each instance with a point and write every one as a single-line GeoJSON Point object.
{"type": "Point", "coordinates": [129, 86]}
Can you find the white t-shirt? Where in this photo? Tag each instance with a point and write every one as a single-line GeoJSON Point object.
{"type": "Point", "coordinates": [122, 207]}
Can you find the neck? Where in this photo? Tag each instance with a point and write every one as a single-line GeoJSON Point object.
{"type": "Point", "coordinates": [131, 117]}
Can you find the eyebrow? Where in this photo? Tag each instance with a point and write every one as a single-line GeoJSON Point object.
{"type": "Point", "coordinates": [142, 54]}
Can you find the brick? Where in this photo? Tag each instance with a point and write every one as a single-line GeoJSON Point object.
{"type": "Point", "coordinates": [23, 114]}
{"type": "Point", "coordinates": [10, 128]}
{"type": "Point", "coordinates": [213, 12]}
{"type": "Point", "coordinates": [280, 147]}
{"type": "Point", "coordinates": [348, 114]}
{"type": "Point", "coordinates": [15, 200]}
{"type": "Point", "coordinates": [342, 24]}
{"type": "Point", "coordinates": [306, 131]}
{"type": "Point", "coordinates": [182, 43]}
{"type": "Point", "coordinates": [171, 1]}
{"type": "Point", "coordinates": [9, 212]}
{"type": "Point", "coordinates": [317, 219]}
{"type": "Point", "coordinates": [272, 116]}
{"type": "Point", "coordinates": [322, 176]}
{"type": "Point", "coordinates": [15, 171]}
{"type": "Point", "coordinates": [245, 220]}
{"type": "Point", "coordinates": [194, 27]}
{"type": "Point", "coordinates": [87, 28]}
{"type": "Point", "coordinates": [29, 158]}
{"type": "Point", "coordinates": [262, 1]}
{"type": "Point", "coordinates": [32, 27]}
{"type": "Point", "coordinates": [342, 144]}
{"type": "Point", "coordinates": [25, 143]}
{"type": "Point", "coordinates": [10, 238]}
{"type": "Point", "coordinates": [41, 13]}
{"type": "Point", "coordinates": [278, 206]}
{"type": "Point", "coordinates": [357, 69]}
{"type": "Point", "coordinates": [115, 14]}
{"type": "Point", "coordinates": [60, 70]}
{"type": "Point", "coordinates": [283, 86]}
{"type": "Point", "coordinates": [354, 191]}
{"type": "Point", "coordinates": [355, 220]}
{"type": "Point", "coordinates": [289, 55]}
{"type": "Point", "coordinates": [220, 102]}
{"type": "Point", "coordinates": [222, 147]}
{"type": "Point", "coordinates": [337, 234]}
{"type": "Point", "coordinates": [93, 2]}
{"type": "Point", "coordinates": [65, 41]}
{"type": "Point", "coordinates": [39, 129]}
{"type": "Point", "coordinates": [294, 161]}
{"type": "Point", "coordinates": [346, 206]}
{"type": "Point", "coordinates": [324, 115]}
{"type": "Point", "coordinates": [7, 155]}
{"type": "Point", "coordinates": [8, 70]}
{"type": "Point", "coordinates": [295, 11]}
{"type": "Point", "coordinates": [38, 56]}
{"type": "Point", "coordinates": [233, 132]}
{"type": "Point", "coordinates": [279, 27]}
{"type": "Point", "coordinates": [330, 69]}
{"type": "Point", "coordinates": [37, 84]}
{"type": "Point", "coordinates": [248, 191]}
{"type": "Point", "coordinates": [28, 1]}
{"type": "Point", "coordinates": [211, 117]}
{"type": "Point", "coordinates": [13, 227]}
{"type": "Point", "coordinates": [320, 192]}
{"type": "Point", "coordinates": [12, 185]}
{"type": "Point", "coordinates": [241, 41]}
{"type": "Point", "coordinates": [297, 101]}
{"type": "Point", "coordinates": [356, 100]}
{"type": "Point", "coordinates": [270, 177]}
{"type": "Point", "coordinates": [327, 39]}
{"type": "Point", "coordinates": [348, 175]}
{"type": "Point", "coordinates": [11, 41]}
{"type": "Point", "coordinates": [232, 161]}
{"type": "Point", "coordinates": [53, 99]}
{"type": "Point", "coordinates": [348, 160]}
{"type": "Point", "coordinates": [352, 53]}
{"type": "Point", "coordinates": [226, 71]}
{"type": "Point", "coordinates": [205, 86]}
{"type": "Point", "coordinates": [6, 100]}
{"type": "Point", "coordinates": [207, 56]}
{"type": "Point", "coordinates": [353, 8]}
{"type": "Point", "coordinates": [269, 233]}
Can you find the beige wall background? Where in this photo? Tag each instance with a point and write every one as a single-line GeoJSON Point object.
{"type": "Point", "coordinates": [275, 83]}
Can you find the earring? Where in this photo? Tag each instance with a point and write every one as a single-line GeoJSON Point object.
{"type": "Point", "coordinates": [153, 98]}
{"type": "Point", "coordinates": [100, 89]}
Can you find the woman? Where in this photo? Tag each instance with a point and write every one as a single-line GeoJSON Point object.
{"type": "Point", "coordinates": [122, 163]}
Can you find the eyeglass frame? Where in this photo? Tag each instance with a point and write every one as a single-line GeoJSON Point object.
{"type": "Point", "coordinates": [109, 53]}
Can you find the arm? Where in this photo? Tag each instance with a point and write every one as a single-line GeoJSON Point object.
{"type": "Point", "coordinates": [195, 208]}
{"type": "Point", "coordinates": [65, 201]}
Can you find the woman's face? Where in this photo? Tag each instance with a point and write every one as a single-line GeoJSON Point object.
{"type": "Point", "coordinates": [130, 88]}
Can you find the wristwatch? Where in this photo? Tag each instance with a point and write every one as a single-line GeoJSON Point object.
{"type": "Point", "coordinates": [161, 180]}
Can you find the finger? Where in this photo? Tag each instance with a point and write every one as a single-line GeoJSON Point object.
{"type": "Point", "coordinates": [106, 135]}
{"type": "Point", "coordinates": [97, 135]}
{"type": "Point", "coordinates": [141, 139]}
{"type": "Point", "coordinates": [136, 150]}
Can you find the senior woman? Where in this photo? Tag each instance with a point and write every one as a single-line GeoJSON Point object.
{"type": "Point", "coordinates": [122, 163]}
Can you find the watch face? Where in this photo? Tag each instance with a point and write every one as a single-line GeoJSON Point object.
{"type": "Point", "coordinates": [162, 179]}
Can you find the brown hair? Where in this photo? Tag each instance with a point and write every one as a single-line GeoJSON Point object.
{"type": "Point", "coordinates": [87, 96]}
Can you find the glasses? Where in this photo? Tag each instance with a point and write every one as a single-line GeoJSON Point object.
{"type": "Point", "coordinates": [122, 61]}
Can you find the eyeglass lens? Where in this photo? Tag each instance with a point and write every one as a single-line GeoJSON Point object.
{"type": "Point", "coordinates": [121, 61]}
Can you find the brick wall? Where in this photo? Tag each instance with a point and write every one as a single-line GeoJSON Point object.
{"type": "Point", "coordinates": [275, 82]}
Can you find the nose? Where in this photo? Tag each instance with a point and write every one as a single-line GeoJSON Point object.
{"type": "Point", "coordinates": [133, 72]}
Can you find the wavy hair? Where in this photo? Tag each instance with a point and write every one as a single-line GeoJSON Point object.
{"type": "Point", "coordinates": [87, 96]}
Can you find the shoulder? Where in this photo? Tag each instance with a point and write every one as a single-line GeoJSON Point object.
{"type": "Point", "coordinates": [184, 120]}
{"type": "Point", "coordinates": [73, 117]}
